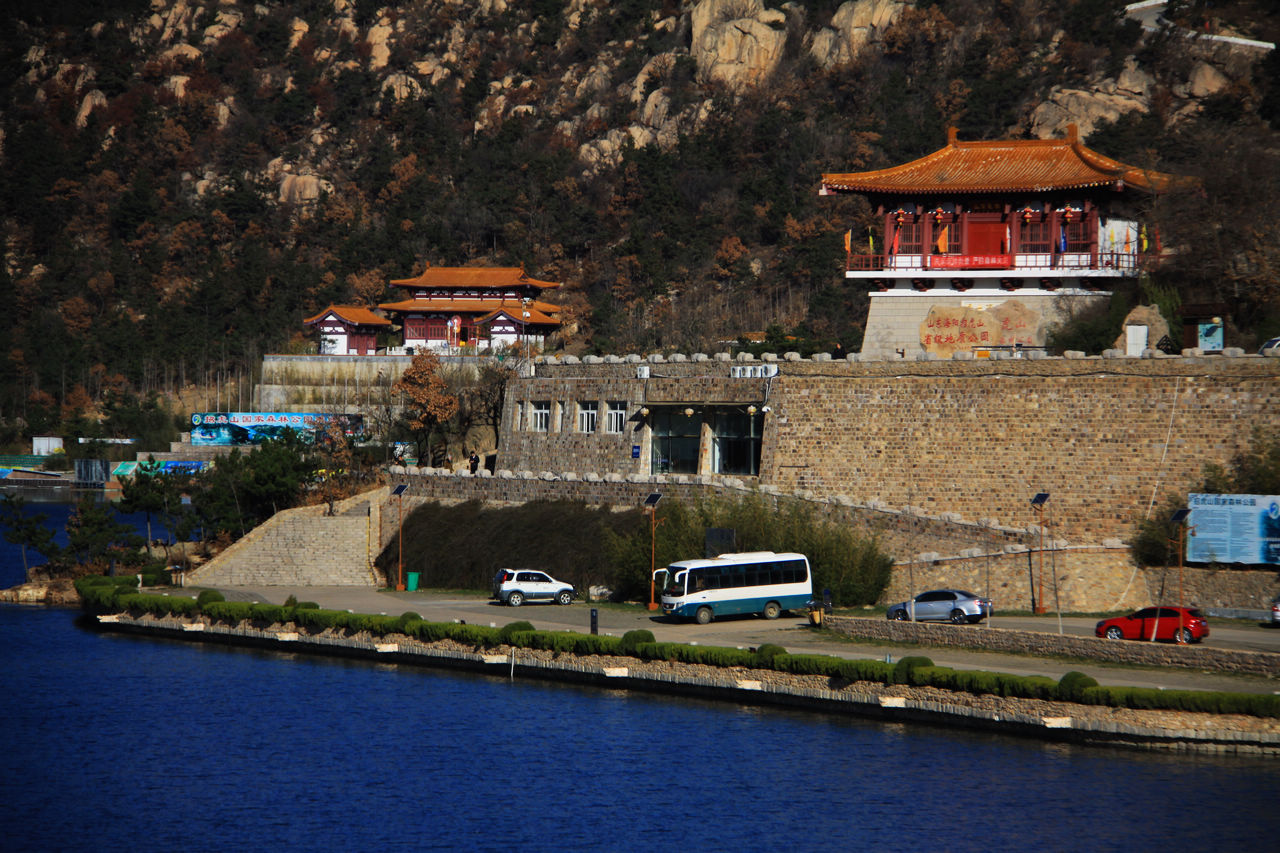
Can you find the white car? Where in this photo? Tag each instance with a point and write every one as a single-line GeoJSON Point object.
{"type": "Point", "coordinates": [516, 586]}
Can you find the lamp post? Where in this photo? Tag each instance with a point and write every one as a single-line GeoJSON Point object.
{"type": "Point", "coordinates": [1037, 506]}
{"type": "Point", "coordinates": [651, 507]}
{"type": "Point", "coordinates": [398, 492]}
{"type": "Point", "coordinates": [1179, 518]}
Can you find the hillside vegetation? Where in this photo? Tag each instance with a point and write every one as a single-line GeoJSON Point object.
{"type": "Point", "coordinates": [183, 181]}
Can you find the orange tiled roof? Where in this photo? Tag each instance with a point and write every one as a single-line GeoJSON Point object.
{"type": "Point", "coordinates": [1012, 165]}
{"type": "Point", "coordinates": [462, 277]}
{"type": "Point", "coordinates": [356, 315]}
{"type": "Point", "coordinates": [468, 306]}
{"type": "Point", "coordinates": [536, 317]}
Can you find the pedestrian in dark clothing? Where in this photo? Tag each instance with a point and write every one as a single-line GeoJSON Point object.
{"type": "Point", "coordinates": [475, 462]}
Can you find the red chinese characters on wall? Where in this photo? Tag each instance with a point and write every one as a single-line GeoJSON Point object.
{"type": "Point", "coordinates": [953, 328]}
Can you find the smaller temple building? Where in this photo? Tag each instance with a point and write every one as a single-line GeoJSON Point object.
{"type": "Point", "coordinates": [451, 308]}
{"type": "Point", "coordinates": [348, 330]}
{"type": "Point", "coordinates": [976, 243]}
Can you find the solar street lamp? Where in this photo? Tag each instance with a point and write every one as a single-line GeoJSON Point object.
{"type": "Point", "coordinates": [651, 507]}
{"type": "Point", "coordinates": [1179, 518]}
{"type": "Point", "coordinates": [1037, 506]}
{"type": "Point", "coordinates": [398, 492]}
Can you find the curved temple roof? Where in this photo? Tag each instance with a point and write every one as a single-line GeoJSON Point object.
{"type": "Point", "coordinates": [1014, 165]}
{"type": "Point", "coordinates": [476, 277]}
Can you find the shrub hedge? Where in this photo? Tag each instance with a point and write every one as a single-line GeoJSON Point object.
{"type": "Point", "coordinates": [100, 594]}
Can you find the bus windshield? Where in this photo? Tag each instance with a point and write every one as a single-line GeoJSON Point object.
{"type": "Point", "coordinates": [676, 586]}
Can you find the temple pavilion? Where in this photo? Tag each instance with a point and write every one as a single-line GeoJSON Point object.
{"type": "Point", "coordinates": [976, 244]}
{"type": "Point", "coordinates": [447, 308]}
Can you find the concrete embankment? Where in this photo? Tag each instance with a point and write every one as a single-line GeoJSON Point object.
{"type": "Point", "coordinates": [1055, 721]}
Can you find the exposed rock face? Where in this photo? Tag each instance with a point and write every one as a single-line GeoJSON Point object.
{"type": "Point", "coordinates": [92, 101]}
{"type": "Point", "coordinates": [949, 329]}
{"type": "Point", "coordinates": [302, 189]}
{"type": "Point", "coordinates": [737, 43]}
{"type": "Point", "coordinates": [854, 25]}
{"type": "Point", "coordinates": [1087, 108]}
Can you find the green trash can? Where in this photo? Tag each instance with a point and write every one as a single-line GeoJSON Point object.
{"type": "Point", "coordinates": [412, 586]}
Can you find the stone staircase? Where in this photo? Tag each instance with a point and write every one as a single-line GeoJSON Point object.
{"type": "Point", "coordinates": [304, 547]}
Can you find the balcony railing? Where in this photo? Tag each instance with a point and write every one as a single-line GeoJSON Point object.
{"type": "Point", "coordinates": [1105, 263]}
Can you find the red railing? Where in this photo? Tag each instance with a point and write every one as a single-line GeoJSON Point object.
{"type": "Point", "coordinates": [1039, 261]}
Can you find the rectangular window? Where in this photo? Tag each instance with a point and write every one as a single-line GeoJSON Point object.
{"type": "Point", "coordinates": [675, 440]}
{"type": "Point", "coordinates": [435, 329]}
{"type": "Point", "coordinates": [616, 420]}
{"type": "Point", "coordinates": [540, 416]}
{"type": "Point", "coordinates": [910, 238]}
{"type": "Point", "coordinates": [1033, 237]}
{"type": "Point", "coordinates": [736, 440]}
{"type": "Point", "coordinates": [588, 413]}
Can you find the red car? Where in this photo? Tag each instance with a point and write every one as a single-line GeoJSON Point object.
{"type": "Point", "coordinates": [1164, 622]}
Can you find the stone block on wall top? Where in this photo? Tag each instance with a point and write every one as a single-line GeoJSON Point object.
{"type": "Point", "coordinates": [613, 477]}
{"type": "Point", "coordinates": [505, 474]}
{"type": "Point", "coordinates": [700, 356]}
{"type": "Point", "coordinates": [592, 359]}
{"type": "Point", "coordinates": [1073, 353]}
{"type": "Point", "coordinates": [547, 475]}
{"type": "Point", "coordinates": [792, 356]}
{"type": "Point", "coordinates": [569, 359]}
{"type": "Point", "coordinates": [723, 356]}
{"type": "Point", "coordinates": [746, 356]}
{"type": "Point", "coordinates": [656, 358]}
{"type": "Point", "coordinates": [769, 356]}
{"type": "Point", "coordinates": [613, 359]}
{"type": "Point", "coordinates": [1192, 352]}
{"type": "Point", "coordinates": [569, 477]}
{"type": "Point", "coordinates": [1232, 352]}
{"type": "Point", "coordinates": [633, 358]}
{"type": "Point", "coordinates": [1113, 353]}
{"type": "Point", "coordinates": [591, 477]}
{"type": "Point", "coordinates": [821, 356]}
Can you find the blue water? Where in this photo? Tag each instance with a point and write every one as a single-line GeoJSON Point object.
{"type": "Point", "coordinates": [122, 743]}
{"type": "Point", "coordinates": [56, 510]}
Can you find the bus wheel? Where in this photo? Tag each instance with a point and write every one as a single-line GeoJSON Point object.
{"type": "Point", "coordinates": [771, 610]}
{"type": "Point", "coordinates": [704, 615]}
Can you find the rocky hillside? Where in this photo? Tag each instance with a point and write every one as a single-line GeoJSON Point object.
{"type": "Point", "coordinates": [183, 181]}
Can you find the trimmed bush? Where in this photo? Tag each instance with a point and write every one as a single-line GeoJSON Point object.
{"type": "Point", "coordinates": [592, 644]}
{"type": "Point", "coordinates": [230, 612]}
{"type": "Point", "coordinates": [307, 605]}
{"type": "Point", "coordinates": [808, 664]}
{"type": "Point", "coordinates": [865, 670]}
{"type": "Point", "coordinates": [477, 636]}
{"type": "Point", "coordinates": [765, 654]}
{"type": "Point", "coordinates": [630, 640]}
{"type": "Point", "coordinates": [505, 632]}
{"type": "Point", "coordinates": [1073, 684]}
{"type": "Point", "coordinates": [208, 595]}
{"type": "Point", "coordinates": [903, 668]}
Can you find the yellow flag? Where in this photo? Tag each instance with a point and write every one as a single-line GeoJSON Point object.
{"type": "Point", "coordinates": [942, 239]}
{"type": "Point", "coordinates": [848, 241]}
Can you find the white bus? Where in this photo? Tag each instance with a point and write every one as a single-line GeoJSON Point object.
{"type": "Point", "coordinates": [756, 582]}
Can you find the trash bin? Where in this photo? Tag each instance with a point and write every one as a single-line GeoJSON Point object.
{"type": "Point", "coordinates": [412, 586]}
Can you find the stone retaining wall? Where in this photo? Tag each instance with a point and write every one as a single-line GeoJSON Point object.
{"type": "Point", "coordinates": [1039, 643]}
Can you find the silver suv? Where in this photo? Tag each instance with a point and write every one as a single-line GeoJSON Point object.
{"type": "Point", "coordinates": [516, 586]}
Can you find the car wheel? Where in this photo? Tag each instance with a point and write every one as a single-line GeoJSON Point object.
{"type": "Point", "coordinates": [1114, 633]}
{"type": "Point", "coordinates": [564, 597]}
{"type": "Point", "coordinates": [704, 615]}
{"type": "Point", "coordinates": [515, 599]}
{"type": "Point", "coordinates": [771, 610]}
{"type": "Point", "coordinates": [900, 616]}
{"type": "Point", "coordinates": [1186, 636]}
{"type": "Point", "coordinates": [958, 617]}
